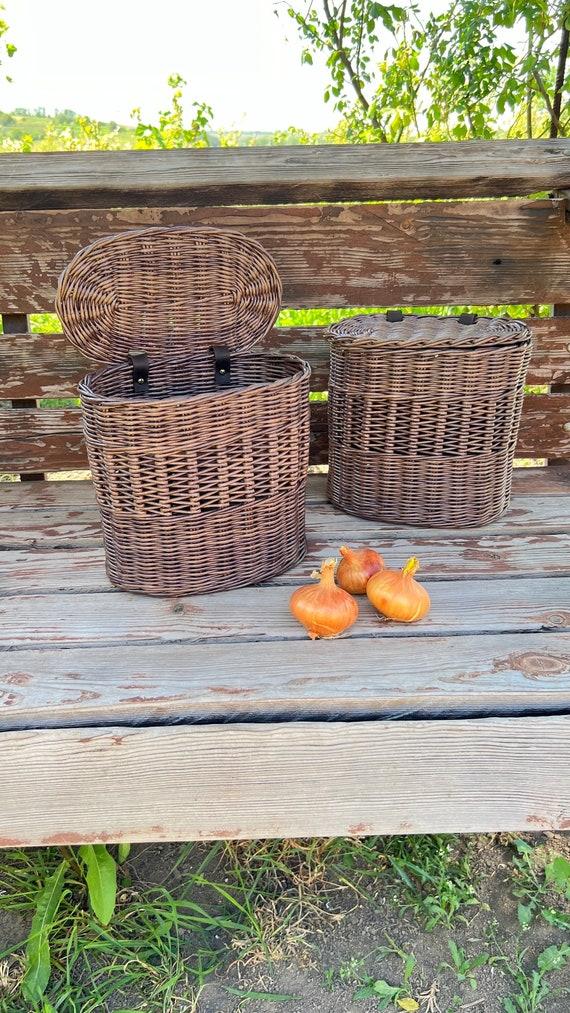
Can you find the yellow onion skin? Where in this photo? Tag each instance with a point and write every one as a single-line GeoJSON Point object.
{"type": "Point", "coordinates": [324, 609]}
{"type": "Point", "coordinates": [397, 595]}
{"type": "Point", "coordinates": [356, 568]}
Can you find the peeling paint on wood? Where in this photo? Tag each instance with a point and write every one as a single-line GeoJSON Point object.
{"type": "Point", "coordinates": [482, 252]}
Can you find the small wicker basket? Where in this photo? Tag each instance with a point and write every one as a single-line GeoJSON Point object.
{"type": "Point", "coordinates": [198, 446]}
{"type": "Point", "coordinates": [423, 416]}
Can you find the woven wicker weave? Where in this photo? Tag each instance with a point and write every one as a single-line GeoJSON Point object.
{"type": "Point", "coordinates": [201, 487]}
{"type": "Point", "coordinates": [423, 416]}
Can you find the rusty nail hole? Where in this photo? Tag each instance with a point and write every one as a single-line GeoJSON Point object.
{"type": "Point", "coordinates": [498, 261]}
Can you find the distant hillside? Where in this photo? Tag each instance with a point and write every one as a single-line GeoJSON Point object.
{"type": "Point", "coordinates": [35, 129]}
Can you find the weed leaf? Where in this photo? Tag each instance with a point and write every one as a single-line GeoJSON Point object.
{"type": "Point", "coordinates": [101, 880]}
{"type": "Point", "coordinates": [408, 1004]}
{"type": "Point", "coordinates": [123, 852]}
{"type": "Point", "coordinates": [525, 913]}
{"type": "Point", "coordinates": [557, 918]}
{"type": "Point", "coordinates": [38, 959]}
{"type": "Point", "coordinates": [554, 958]}
{"type": "Point", "coordinates": [558, 872]}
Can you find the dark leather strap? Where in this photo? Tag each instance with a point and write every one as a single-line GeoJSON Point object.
{"type": "Point", "coordinates": [140, 365]}
{"type": "Point", "coordinates": [222, 365]}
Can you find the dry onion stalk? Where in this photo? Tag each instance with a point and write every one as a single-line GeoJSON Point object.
{"type": "Point", "coordinates": [324, 609]}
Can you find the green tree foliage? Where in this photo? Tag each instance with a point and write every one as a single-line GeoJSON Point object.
{"type": "Point", "coordinates": [171, 131]}
{"type": "Point", "coordinates": [7, 49]}
{"type": "Point", "coordinates": [481, 68]}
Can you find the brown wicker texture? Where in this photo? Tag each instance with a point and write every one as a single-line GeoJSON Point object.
{"type": "Point", "coordinates": [423, 417]}
{"type": "Point", "coordinates": [201, 487]}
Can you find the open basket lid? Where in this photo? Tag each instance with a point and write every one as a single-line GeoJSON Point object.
{"type": "Point", "coordinates": [169, 291]}
{"type": "Point", "coordinates": [397, 331]}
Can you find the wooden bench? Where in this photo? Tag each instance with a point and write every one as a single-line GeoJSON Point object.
{"type": "Point", "coordinates": [128, 718]}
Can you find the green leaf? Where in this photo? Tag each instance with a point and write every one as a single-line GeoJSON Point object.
{"type": "Point", "coordinates": [554, 958]}
{"type": "Point", "coordinates": [525, 914]}
{"type": "Point", "coordinates": [101, 880]}
{"type": "Point", "coordinates": [558, 872]}
{"type": "Point", "coordinates": [38, 959]}
{"type": "Point", "coordinates": [557, 918]}
{"type": "Point", "coordinates": [509, 1006]}
{"type": "Point", "coordinates": [123, 852]}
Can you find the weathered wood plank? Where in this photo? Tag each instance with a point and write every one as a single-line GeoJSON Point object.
{"type": "Point", "coordinates": [50, 439]}
{"type": "Point", "coordinates": [286, 780]}
{"type": "Point", "coordinates": [345, 680]}
{"type": "Point", "coordinates": [47, 365]}
{"type": "Point", "coordinates": [251, 614]}
{"type": "Point", "coordinates": [36, 439]}
{"type": "Point", "coordinates": [495, 557]}
{"type": "Point", "coordinates": [283, 174]}
{"type": "Point", "coordinates": [77, 525]}
{"type": "Point", "coordinates": [483, 252]}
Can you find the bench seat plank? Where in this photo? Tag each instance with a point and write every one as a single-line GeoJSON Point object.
{"type": "Point", "coordinates": [296, 779]}
{"type": "Point", "coordinates": [349, 679]}
{"type": "Point", "coordinates": [461, 557]}
{"type": "Point", "coordinates": [262, 614]}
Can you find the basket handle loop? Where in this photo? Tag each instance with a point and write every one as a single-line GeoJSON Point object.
{"type": "Point", "coordinates": [140, 365]}
{"type": "Point", "coordinates": [222, 365]}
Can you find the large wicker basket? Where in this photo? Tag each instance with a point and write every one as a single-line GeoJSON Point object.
{"type": "Point", "coordinates": [198, 446]}
{"type": "Point", "coordinates": [423, 416]}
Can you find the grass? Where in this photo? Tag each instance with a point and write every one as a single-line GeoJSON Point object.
{"type": "Point", "coordinates": [229, 916]}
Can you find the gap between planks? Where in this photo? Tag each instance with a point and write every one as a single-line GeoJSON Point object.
{"type": "Point", "coordinates": [466, 676]}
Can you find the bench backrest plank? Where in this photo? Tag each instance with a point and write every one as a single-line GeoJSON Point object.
{"type": "Point", "coordinates": [437, 253]}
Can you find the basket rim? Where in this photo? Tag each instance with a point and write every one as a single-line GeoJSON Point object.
{"type": "Point", "coordinates": [345, 333]}
{"type": "Point", "coordinates": [228, 393]}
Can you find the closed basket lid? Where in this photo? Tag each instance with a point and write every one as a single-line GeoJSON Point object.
{"type": "Point", "coordinates": [409, 332]}
{"type": "Point", "coordinates": [168, 291]}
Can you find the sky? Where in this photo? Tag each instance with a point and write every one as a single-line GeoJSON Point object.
{"type": "Point", "coordinates": [102, 59]}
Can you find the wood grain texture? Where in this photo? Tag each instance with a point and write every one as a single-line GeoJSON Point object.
{"type": "Point", "coordinates": [282, 174]}
{"type": "Point", "coordinates": [473, 676]}
{"type": "Point", "coordinates": [69, 519]}
{"type": "Point", "coordinates": [50, 439]}
{"type": "Point", "coordinates": [494, 557]}
{"type": "Point", "coordinates": [287, 780]}
{"type": "Point", "coordinates": [47, 365]}
{"type": "Point", "coordinates": [36, 439]}
{"type": "Point", "coordinates": [482, 252]}
{"type": "Point", "coordinates": [248, 614]}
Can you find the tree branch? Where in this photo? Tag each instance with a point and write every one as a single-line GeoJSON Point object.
{"type": "Point", "coordinates": [559, 85]}
{"type": "Point", "coordinates": [354, 80]}
{"type": "Point", "coordinates": [553, 117]}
